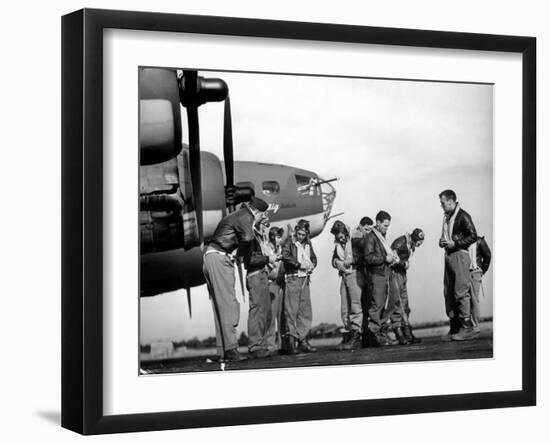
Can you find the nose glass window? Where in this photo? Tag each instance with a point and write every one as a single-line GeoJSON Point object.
{"type": "Point", "coordinates": [306, 185]}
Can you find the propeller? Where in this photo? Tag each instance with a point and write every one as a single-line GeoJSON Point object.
{"type": "Point", "coordinates": [228, 148]}
{"type": "Point", "coordinates": [195, 91]}
{"type": "Point", "coordinates": [189, 99]}
{"type": "Point", "coordinates": [230, 175]}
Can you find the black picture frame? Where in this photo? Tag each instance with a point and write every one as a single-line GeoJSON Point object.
{"type": "Point", "coordinates": [82, 219]}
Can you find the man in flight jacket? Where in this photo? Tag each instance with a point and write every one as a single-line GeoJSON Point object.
{"type": "Point", "coordinates": [299, 262]}
{"type": "Point", "coordinates": [458, 233]}
{"type": "Point", "coordinates": [378, 258]}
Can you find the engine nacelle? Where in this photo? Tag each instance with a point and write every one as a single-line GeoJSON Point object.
{"type": "Point", "coordinates": [170, 270]}
{"type": "Point", "coordinates": [167, 214]}
{"type": "Point", "coordinates": [159, 115]}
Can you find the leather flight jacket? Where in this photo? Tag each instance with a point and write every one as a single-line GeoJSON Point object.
{"type": "Point", "coordinates": [375, 255]}
{"type": "Point", "coordinates": [254, 259]}
{"type": "Point", "coordinates": [357, 247]}
{"type": "Point", "coordinates": [400, 246]}
{"type": "Point", "coordinates": [464, 232]}
{"type": "Point", "coordinates": [290, 256]}
{"type": "Point", "coordinates": [234, 231]}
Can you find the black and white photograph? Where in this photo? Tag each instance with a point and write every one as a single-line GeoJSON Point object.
{"type": "Point", "coordinates": [291, 220]}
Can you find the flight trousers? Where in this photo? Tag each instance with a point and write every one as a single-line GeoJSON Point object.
{"type": "Point", "coordinates": [379, 293]}
{"type": "Point", "coordinates": [457, 285]}
{"type": "Point", "coordinates": [476, 276]}
{"type": "Point", "coordinates": [259, 311]}
{"type": "Point", "coordinates": [219, 273]}
{"type": "Point", "coordinates": [351, 288]}
{"type": "Point", "coordinates": [297, 305]}
{"type": "Point", "coordinates": [275, 330]}
{"type": "Point", "coordinates": [365, 297]}
{"type": "Point", "coordinates": [398, 301]}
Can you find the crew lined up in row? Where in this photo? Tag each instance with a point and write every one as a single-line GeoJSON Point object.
{"type": "Point", "coordinates": [373, 285]}
{"type": "Point", "coordinates": [373, 272]}
{"type": "Point", "coordinates": [278, 282]}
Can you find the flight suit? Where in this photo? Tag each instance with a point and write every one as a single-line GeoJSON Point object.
{"type": "Point", "coordinates": [351, 286]}
{"type": "Point", "coordinates": [298, 310]}
{"type": "Point", "coordinates": [219, 272]}
{"type": "Point", "coordinates": [457, 280]}
{"type": "Point", "coordinates": [358, 237]}
{"type": "Point", "coordinates": [350, 301]}
{"type": "Point", "coordinates": [476, 277]}
{"type": "Point", "coordinates": [399, 296]}
{"type": "Point", "coordinates": [457, 286]}
{"type": "Point", "coordinates": [259, 312]}
{"type": "Point", "coordinates": [234, 231]}
{"type": "Point", "coordinates": [379, 272]}
{"type": "Point", "coordinates": [297, 298]}
{"type": "Point", "coordinates": [275, 330]}
{"type": "Point", "coordinates": [256, 263]}
{"type": "Point", "coordinates": [276, 285]}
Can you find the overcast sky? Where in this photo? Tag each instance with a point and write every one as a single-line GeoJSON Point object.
{"type": "Point", "coordinates": [393, 144]}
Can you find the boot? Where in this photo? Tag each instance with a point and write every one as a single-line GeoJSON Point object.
{"type": "Point", "coordinates": [466, 332]}
{"type": "Point", "coordinates": [375, 339]}
{"type": "Point", "coordinates": [401, 339]}
{"type": "Point", "coordinates": [346, 336]}
{"type": "Point", "coordinates": [407, 330]}
{"type": "Point", "coordinates": [381, 339]}
{"type": "Point", "coordinates": [259, 353]}
{"type": "Point", "coordinates": [385, 332]}
{"type": "Point", "coordinates": [354, 343]}
{"type": "Point", "coordinates": [234, 355]}
{"type": "Point", "coordinates": [304, 346]}
{"type": "Point", "coordinates": [290, 348]}
{"type": "Point", "coordinates": [368, 338]}
{"type": "Point", "coordinates": [454, 326]}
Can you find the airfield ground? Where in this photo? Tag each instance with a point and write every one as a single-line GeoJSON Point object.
{"type": "Point", "coordinates": [432, 348]}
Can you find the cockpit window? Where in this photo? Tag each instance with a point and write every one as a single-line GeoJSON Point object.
{"type": "Point", "coordinates": [271, 187]}
{"type": "Point", "coordinates": [306, 185]}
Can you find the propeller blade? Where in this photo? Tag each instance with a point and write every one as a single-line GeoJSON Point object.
{"type": "Point", "coordinates": [189, 301]}
{"type": "Point", "coordinates": [228, 143]}
{"type": "Point", "coordinates": [230, 171]}
{"type": "Point", "coordinates": [195, 166]}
